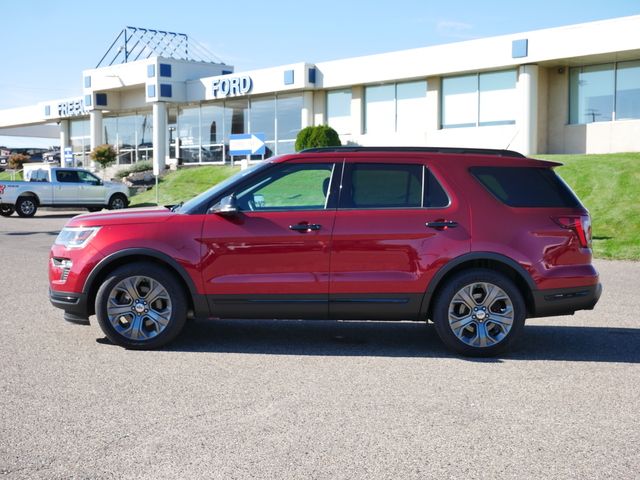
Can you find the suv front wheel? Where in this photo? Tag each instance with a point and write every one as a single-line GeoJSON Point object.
{"type": "Point", "coordinates": [141, 306]}
{"type": "Point", "coordinates": [479, 313]}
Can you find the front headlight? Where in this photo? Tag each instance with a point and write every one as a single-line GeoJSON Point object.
{"type": "Point", "coordinates": [76, 237]}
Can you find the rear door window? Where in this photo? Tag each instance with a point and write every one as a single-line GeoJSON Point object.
{"type": "Point", "coordinates": [526, 186]}
{"type": "Point", "coordinates": [379, 185]}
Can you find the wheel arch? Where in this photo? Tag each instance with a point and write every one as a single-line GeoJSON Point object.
{"type": "Point", "coordinates": [489, 260]}
{"type": "Point", "coordinates": [196, 303]}
{"type": "Point", "coordinates": [29, 194]}
{"type": "Point", "coordinates": [119, 194]}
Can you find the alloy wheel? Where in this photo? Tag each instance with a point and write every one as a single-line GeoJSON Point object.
{"type": "Point", "coordinates": [481, 314]}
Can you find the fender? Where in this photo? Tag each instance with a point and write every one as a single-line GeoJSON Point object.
{"type": "Point", "coordinates": [200, 304]}
{"type": "Point", "coordinates": [469, 257]}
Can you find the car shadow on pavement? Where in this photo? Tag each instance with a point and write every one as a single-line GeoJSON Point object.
{"type": "Point", "coordinates": [400, 339]}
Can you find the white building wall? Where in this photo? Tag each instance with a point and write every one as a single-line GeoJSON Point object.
{"type": "Point", "coordinates": [541, 124]}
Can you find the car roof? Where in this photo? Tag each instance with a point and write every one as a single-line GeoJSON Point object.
{"type": "Point", "coordinates": [461, 156]}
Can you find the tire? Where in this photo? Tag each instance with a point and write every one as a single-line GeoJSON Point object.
{"type": "Point", "coordinates": [117, 202]}
{"type": "Point", "coordinates": [479, 313]}
{"type": "Point", "coordinates": [7, 210]}
{"type": "Point", "coordinates": [128, 315]}
{"type": "Point", "coordinates": [26, 206]}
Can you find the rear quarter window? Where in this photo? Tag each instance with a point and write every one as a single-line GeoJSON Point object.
{"type": "Point", "coordinates": [526, 186]}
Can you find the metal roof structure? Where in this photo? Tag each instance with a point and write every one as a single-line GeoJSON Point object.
{"type": "Point", "coordinates": [135, 43]}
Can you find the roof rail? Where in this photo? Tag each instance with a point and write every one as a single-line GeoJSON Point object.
{"type": "Point", "coordinates": [477, 151]}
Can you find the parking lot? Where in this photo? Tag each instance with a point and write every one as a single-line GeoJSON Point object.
{"type": "Point", "coordinates": [311, 400]}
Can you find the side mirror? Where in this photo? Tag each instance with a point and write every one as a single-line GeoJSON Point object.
{"type": "Point", "coordinates": [226, 206]}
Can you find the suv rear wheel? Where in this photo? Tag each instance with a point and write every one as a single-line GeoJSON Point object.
{"type": "Point", "coordinates": [141, 306]}
{"type": "Point", "coordinates": [479, 313]}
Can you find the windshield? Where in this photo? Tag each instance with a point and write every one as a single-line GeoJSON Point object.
{"type": "Point", "coordinates": [219, 187]}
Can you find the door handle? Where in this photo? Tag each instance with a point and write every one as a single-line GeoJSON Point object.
{"type": "Point", "coordinates": [442, 224]}
{"type": "Point", "coordinates": [305, 227]}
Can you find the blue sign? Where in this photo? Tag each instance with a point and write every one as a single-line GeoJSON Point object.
{"type": "Point", "coordinates": [68, 156]}
{"type": "Point", "coordinates": [247, 144]}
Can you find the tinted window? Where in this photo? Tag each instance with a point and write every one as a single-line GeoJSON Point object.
{"type": "Point", "coordinates": [384, 186]}
{"type": "Point", "coordinates": [434, 194]}
{"type": "Point", "coordinates": [526, 186]}
{"type": "Point", "coordinates": [67, 176]}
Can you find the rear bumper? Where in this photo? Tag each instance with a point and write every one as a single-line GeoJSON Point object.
{"type": "Point", "coordinates": [565, 301]}
{"type": "Point", "coordinates": [74, 305]}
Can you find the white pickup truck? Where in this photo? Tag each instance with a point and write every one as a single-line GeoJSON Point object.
{"type": "Point", "coordinates": [47, 186]}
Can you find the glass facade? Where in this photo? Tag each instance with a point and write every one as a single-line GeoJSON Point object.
{"type": "Point", "coordinates": [482, 99]}
{"type": "Point", "coordinates": [203, 131]}
{"type": "Point", "coordinates": [132, 135]}
{"type": "Point", "coordinates": [602, 93]}
{"type": "Point", "coordinates": [397, 107]}
{"type": "Point", "coordinates": [339, 110]}
{"type": "Point", "coordinates": [80, 140]}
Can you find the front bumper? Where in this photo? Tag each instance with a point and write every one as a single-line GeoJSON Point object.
{"type": "Point", "coordinates": [565, 301]}
{"type": "Point", "coordinates": [74, 305]}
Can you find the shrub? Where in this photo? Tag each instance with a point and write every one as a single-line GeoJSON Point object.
{"type": "Point", "coordinates": [318, 136]}
{"type": "Point", "coordinates": [17, 160]}
{"type": "Point", "coordinates": [104, 155]}
{"type": "Point", "coordinates": [302, 139]}
{"type": "Point", "coordinates": [136, 167]}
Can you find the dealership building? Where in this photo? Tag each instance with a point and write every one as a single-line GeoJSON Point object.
{"type": "Point", "coordinates": [572, 89]}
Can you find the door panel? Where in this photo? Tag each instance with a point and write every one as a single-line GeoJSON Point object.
{"type": "Point", "coordinates": [383, 252]}
{"type": "Point", "coordinates": [65, 191]}
{"type": "Point", "coordinates": [271, 259]}
{"type": "Point", "coordinates": [91, 189]}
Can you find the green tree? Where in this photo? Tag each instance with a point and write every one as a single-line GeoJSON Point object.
{"type": "Point", "coordinates": [104, 155]}
{"type": "Point", "coordinates": [318, 136]}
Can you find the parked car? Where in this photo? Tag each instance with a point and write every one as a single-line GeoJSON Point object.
{"type": "Point", "coordinates": [51, 156]}
{"type": "Point", "coordinates": [48, 186]}
{"type": "Point", "coordinates": [473, 240]}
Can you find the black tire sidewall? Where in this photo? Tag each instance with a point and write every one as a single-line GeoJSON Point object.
{"type": "Point", "coordinates": [19, 203]}
{"type": "Point", "coordinates": [453, 285]}
{"type": "Point", "coordinates": [115, 197]}
{"type": "Point", "coordinates": [7, 211]}
{"type": "Point", "coordinates": [162, 276]}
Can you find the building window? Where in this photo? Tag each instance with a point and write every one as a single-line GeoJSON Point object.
{"type": "Point", "coordinates": [591, 93]}
{"type": "Point", "coordinates": [288, 122]}
{"type": "Point", "coordinates": [339, 110]}
{"type": "Point", "coordinates": [397, 107]}
{"type": "Point", "coordinates": [603, 93]}
{"type": "Point", "coordinates": [411, 107]}
{"type": "Point", "coordinates": [628, 90]}
{"type": "Point", "coordinates": [482, 99]}
{"type": "Point", "coordinates": [204, 131]}
{"type": "Point", "coordinates": [165, 70]}
{"type": "Point", "coordinates": [132, 135]}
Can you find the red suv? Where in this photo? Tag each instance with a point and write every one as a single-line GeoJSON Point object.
{"type": "Point", "coordinates": [473, 240]}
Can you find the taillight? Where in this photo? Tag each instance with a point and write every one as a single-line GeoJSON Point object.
{"type": "Point", "coordinates": [580, 224]}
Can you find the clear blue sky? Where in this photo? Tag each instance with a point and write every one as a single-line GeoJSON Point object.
{"type": "Point", "coordinates": [45, 44]}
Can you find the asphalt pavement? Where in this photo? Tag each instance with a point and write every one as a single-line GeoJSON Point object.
{"type": "Point", "coordinates": [249, 399]}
